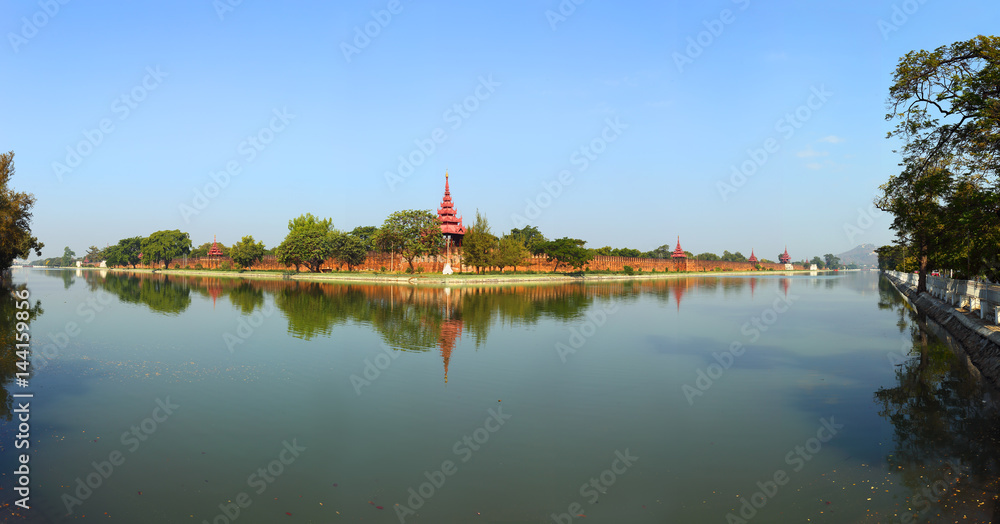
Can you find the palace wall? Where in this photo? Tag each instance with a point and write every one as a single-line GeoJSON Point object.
{"type": "Point", "coordinates": [435, 264]}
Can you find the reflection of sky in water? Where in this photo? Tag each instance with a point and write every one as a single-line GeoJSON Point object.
{"type": "Point", "coordinates": [255, 362]}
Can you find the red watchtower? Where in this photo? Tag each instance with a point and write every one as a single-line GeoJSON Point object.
{"type": "Point", "coordinates": [451, 225]}
{"type": "Point", "coordinates": [784, 258]}
{"type": "Point", "coordinates": [678, 252]}
{"type": "Point", "coordinates": [214, 251]}
{"type": "Point", "coordinates": [753, 258]}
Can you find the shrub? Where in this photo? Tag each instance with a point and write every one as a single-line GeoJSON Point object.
{"type": "Point", "coordinates": [409, 270]}
{"type": "Point", "coordinates": [226, 265]}
{"type": "Point", "coordinates": [628, 270]}
{"type": "Point", "coordinates": [420, 269]}
{"type": "Point", "coordinates": [382, 269]}
{"type": "Point", "coordinates": [198, 266]}
{"type": "Point", "coordinates": [177, 266]}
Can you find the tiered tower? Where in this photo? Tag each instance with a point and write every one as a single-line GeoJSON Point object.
{"type": "Point", "coordinates": [678, 252]}
{"type": "Point", "coordinates": [451, 225]}
{"type": "Point", "coordinates": [214, 251]}
{"type": "Point", "coordinates": [784, 258]}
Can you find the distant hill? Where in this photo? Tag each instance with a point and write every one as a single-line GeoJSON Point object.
{"type": "Point", "coordinates": [863, 255]}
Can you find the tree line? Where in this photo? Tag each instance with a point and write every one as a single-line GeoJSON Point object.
{"type": "Point", "coordinates": [945, 201]}
{"type": "Point", "coordinates": [311, 241]}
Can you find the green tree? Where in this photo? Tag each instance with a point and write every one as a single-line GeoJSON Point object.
{"type": "Point", "coordinates": [126, 252]}
{"type": "Point", "coordinates": [915, 198]}
{"type": "Point", "coordinates": [627, 252]}
{"type": "Point", "coordinates": [945, 202]}
{"type": "Point", "coordinates": [945, 104]}
{"type": "Point", "coordinates": [67, 258]}
{"type": "Point", "coordinates": [15, 218]}
{"type": "Point", "coordinates": [663, 251]}
{"type": "Point", "coordinates": [309, 242]}
{"type": "Point", "coordinates": [733, 257]}
{"type": "Point", "coordinates": [706, 256]}
{"type": "Point", "coordinates": [831, 261]}
{"type": "Point", "coordinates": [569, 251]}
{"type": "Point", "coordinates": [367, 236]}
{"type": "Point", "coordinates": [164, 246]}
{"type": "Point", "coordinates": [412, 233]}
{"type": "Point", "coordinates": [478, 245]}
{"type": "Point", "coordinates": [510, 251]}
{"type": "Point", "coordinates": [350, 249]}
{"type": "Point", "coordinates": [94, 255]}
{"type": "Point", "coordinates": [818, 261]}
{"type": "Point", "coordinates": [246, 252]}
{"type": "Point", "coordinates": [531, 238]}
{"type": "Point", "coordinates": [890, 257]}
{"type": "Point", "coordinates": [112, 256]}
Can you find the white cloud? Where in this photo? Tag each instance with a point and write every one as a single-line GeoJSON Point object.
{"type": "Point", "coordinates": [814, 165]}
{"type": "Point", "coordinates": [832, 139]}
{"type": "Point", "coordinates": [809, 152]}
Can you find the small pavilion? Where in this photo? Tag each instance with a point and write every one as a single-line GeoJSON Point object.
{"type": "Point", "coordinates": [679, 259]}
{"type": "Point", "coordinates": [753, 258]}
{"type": "Point", "coordinates": [214, 252]}
{"type": "Point", "coordinates": [784, 258]}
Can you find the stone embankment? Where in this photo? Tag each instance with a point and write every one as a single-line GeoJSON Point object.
{"type": "Point", "coordinates": [979, 337]}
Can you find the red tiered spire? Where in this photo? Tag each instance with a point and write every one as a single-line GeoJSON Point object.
{"type": "Point", "coordinates": [678, 252]}
{"type": "Point", "coordinates": [451, 225]}
{"type": "Point", "coordinates": [753, 259]}
{"type": "Point", "coordinates": [784, 258]}
{"type": "Point", "coordinates": [214, 251]}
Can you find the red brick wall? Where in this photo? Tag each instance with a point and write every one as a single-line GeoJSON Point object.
{"type": "Point", "coordinates": [435, 264]}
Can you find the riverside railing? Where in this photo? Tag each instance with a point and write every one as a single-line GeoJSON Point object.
{"type": "Point", "coordinates": [959, 293]}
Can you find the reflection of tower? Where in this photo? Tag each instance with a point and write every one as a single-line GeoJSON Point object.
{"type": "Point", "coordinates": [214, 290]}
{"type": "Point", "coordinates": [753, 285]}
{"type": "Point", "coordinates": [679, 292]}
{"type": "Point", "coordinates": [784, 285]}
{"type": "Point", "coordinates": [451, 330]}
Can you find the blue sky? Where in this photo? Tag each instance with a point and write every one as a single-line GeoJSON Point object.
{"type": "Point", "coordinates": [119, 115]}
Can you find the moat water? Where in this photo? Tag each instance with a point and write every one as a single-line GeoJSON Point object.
{"type": "Point", "coordinates": [805, 398]}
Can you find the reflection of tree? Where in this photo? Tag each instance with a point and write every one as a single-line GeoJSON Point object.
{"type": "Point", "coordinates": [942, 415]}
{"type": "Point", "coordinates": [65, 274]}
{"type": "Point", "coordinates": [308, 310]}
{"type": "Point", "coordinates": [8, 341]}
{"type": "Point", "coordinates": [246, 297]}
{"type": "Point", "coordinates": [157, 292]}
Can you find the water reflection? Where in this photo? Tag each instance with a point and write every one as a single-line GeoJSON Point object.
{"type": "Point", "coordinates": [412, 318]}
{"type": "Point", "coordinates": [946, 429]}
{"type": "Point", "coordinates": [8, 341]}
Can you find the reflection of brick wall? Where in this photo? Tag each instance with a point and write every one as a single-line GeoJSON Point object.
{"type": "Point", "coordinates": [435, 264]}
